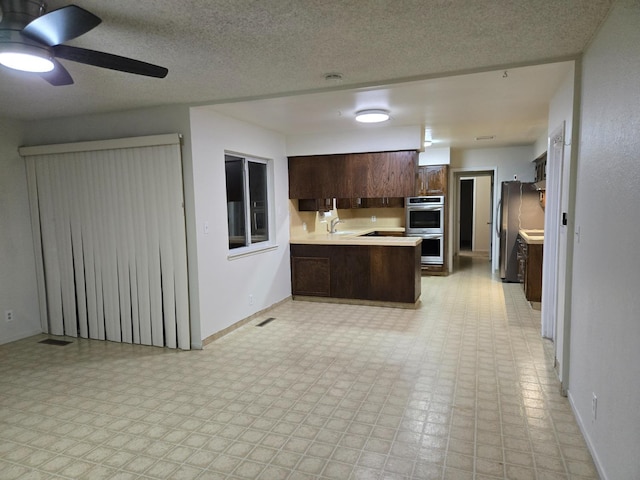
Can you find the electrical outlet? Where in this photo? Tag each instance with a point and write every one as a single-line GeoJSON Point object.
{"type": "Point", "coordinates": [8, 315]}
{"type": "Point", "coordinates": [250, 299]}
{"type": "Point", "coordinates": [373, 219]}
{"type": "Point", "coordinates": [594, 406]}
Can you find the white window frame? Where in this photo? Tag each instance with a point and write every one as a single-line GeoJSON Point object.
{"type": "Point", "coordinates": [270, 243]}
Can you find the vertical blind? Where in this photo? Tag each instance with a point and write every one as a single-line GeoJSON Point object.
{"type": "Point", "coordinates": [111, 259]}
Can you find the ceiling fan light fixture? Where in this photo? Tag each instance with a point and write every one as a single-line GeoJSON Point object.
{"type": "Point", "coordinates": [26, 58]}
{"type": "Point", "coordinates": [372, 116]}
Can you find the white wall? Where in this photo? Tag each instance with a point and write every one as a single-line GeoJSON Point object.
{"type": "Point", "coordinates": [435, 156]}
{"type": "Point", "coordinates": [605, 323]}
{"type": "Point", "coordinates": [18, 289]}
{"type": "Point", "coordinates": [369, 138]}
{"type": "Point", "coordinates": [507, 163]}
{"type": "Point", "coordinates": [225, 285]}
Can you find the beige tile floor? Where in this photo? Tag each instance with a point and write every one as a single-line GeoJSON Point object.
{"type": "Point", "coordinates": [462, 388]}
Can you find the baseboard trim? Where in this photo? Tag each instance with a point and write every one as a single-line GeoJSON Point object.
{"type": "Point", "coordinates": [587, 439]}
{"type": "Point", "coordinates": [20, 336]}
{"type": "Point", "coordinates": [241, 323]}
{"type": "Point", "coordinates": [354, 301]}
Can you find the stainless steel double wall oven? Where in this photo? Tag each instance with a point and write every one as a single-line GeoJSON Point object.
{"type": "Point", "coordinates": [425, 219]}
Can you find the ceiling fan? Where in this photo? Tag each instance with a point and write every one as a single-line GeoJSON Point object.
{"type": "Point", "coordinates": [31, 40]}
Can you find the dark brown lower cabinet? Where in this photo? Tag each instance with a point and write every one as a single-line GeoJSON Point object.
{"type": "Point", "coordinates": [533, 274]}
{"type": "Point", "coordinates": [530, 269]}
{"type": "Point", "coordinates": [361, 272]}
{"type": "Point", "coordinates": [311, 276]}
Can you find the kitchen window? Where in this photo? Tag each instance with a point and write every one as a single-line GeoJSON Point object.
{"type": "Point", "coordinates": [248, 193]}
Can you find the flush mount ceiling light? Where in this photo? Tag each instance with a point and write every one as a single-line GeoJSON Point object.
{"type": "Point", "coordinates": [27, 58]}
{"type": "Point", "coordinates": [372, 116]}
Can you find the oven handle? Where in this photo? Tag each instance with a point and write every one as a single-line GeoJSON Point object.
{"type": "Point", "coordinates": [431, 235]}
{"type": "Point", "coordinates": [415, 208]}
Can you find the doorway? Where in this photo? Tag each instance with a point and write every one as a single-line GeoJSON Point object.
{"type": "Point", "coordinates": [467, 212]}
{"type": "Point", "coordinates": [471, 214]}
{"type": "Point", "coordinates": [475, 215]}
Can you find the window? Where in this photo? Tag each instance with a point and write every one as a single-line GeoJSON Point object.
{"type": "Point", "coordinates": [247, 200]}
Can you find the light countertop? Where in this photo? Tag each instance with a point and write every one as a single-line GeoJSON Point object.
{"type": "Point", "coordinates": [532, 237]}
{"type": "Point", "coordinates": [354, 237]}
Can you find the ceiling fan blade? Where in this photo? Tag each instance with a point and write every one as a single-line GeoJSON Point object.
{"type": "Point", "coordinates": [61, 25]}
{"type": "Point", "coordinates": [108, 60]}
{"type": "Point", "coordinates": [58, 76]}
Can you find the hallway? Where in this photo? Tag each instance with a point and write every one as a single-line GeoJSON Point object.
{"type": "Point", "coordinates": [461, 388]}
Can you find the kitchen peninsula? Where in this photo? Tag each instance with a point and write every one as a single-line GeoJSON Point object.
{"type": "Point", "coordinates": [373, 266]}
{"type": "Point", "coordinates": [368, 189]}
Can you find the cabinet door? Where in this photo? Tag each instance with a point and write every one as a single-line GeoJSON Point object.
{"type": "Point", "coordinates": [395, 202]}
{"type": "Point", "coordinates": [350, 271]}
{"type": "Point", "coordinates": [315, 204]}
{"type": "Point", "coordinates": [541, 167]}
{"type": "Point", "coordinates": [384, 202]}
{"type": "Point", "coordinates": [311, 276]}
{"type": "Point", "coordinates": [436, 176]}
{"type": "Point", "coordinates": [401, 264]}
{"type": "Point", "coordinates": [421, 182]}
{"type": "Point", "coordinates": [317, 176]}
{"type": "Point", "coordinates": [356, 174]}
{"type": "Point", "coordinates": [345, 203]}
{"type": "Point", "coordinates": [391, 174]}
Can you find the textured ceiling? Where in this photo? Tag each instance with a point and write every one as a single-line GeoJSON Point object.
{"type": "Point", "coordinates": [227, 50]}
{"type": "Point", "coordinates": [511, 106]}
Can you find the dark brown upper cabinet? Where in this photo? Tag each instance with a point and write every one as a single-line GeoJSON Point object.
{"type": "Point", "coordinates": [357, 175]}
{"type": "Point", "coordinates": [431, 180]}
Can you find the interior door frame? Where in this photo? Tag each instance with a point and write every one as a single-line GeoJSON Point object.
{"type": "Point", "coordinates": [455, 175]}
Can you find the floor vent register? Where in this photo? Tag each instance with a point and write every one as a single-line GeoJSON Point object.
{"type": "Point", "coordinates": [263, 323]}
{"type": "Point", "coordinates": [53, 341]}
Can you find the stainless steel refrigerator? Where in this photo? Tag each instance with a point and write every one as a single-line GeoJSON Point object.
{"type": "Point", "coordinates": [519, 208]}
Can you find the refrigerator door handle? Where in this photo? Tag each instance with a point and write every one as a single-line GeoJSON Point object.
{"type": "Point", "coordinates": [498, 208]}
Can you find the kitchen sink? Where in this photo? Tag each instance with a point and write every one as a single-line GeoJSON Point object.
{"type": "Point", "coordinates": [382, 234]}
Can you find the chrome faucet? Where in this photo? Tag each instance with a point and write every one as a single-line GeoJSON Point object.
{"type": "Point", "coordinates": [334, 222]}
